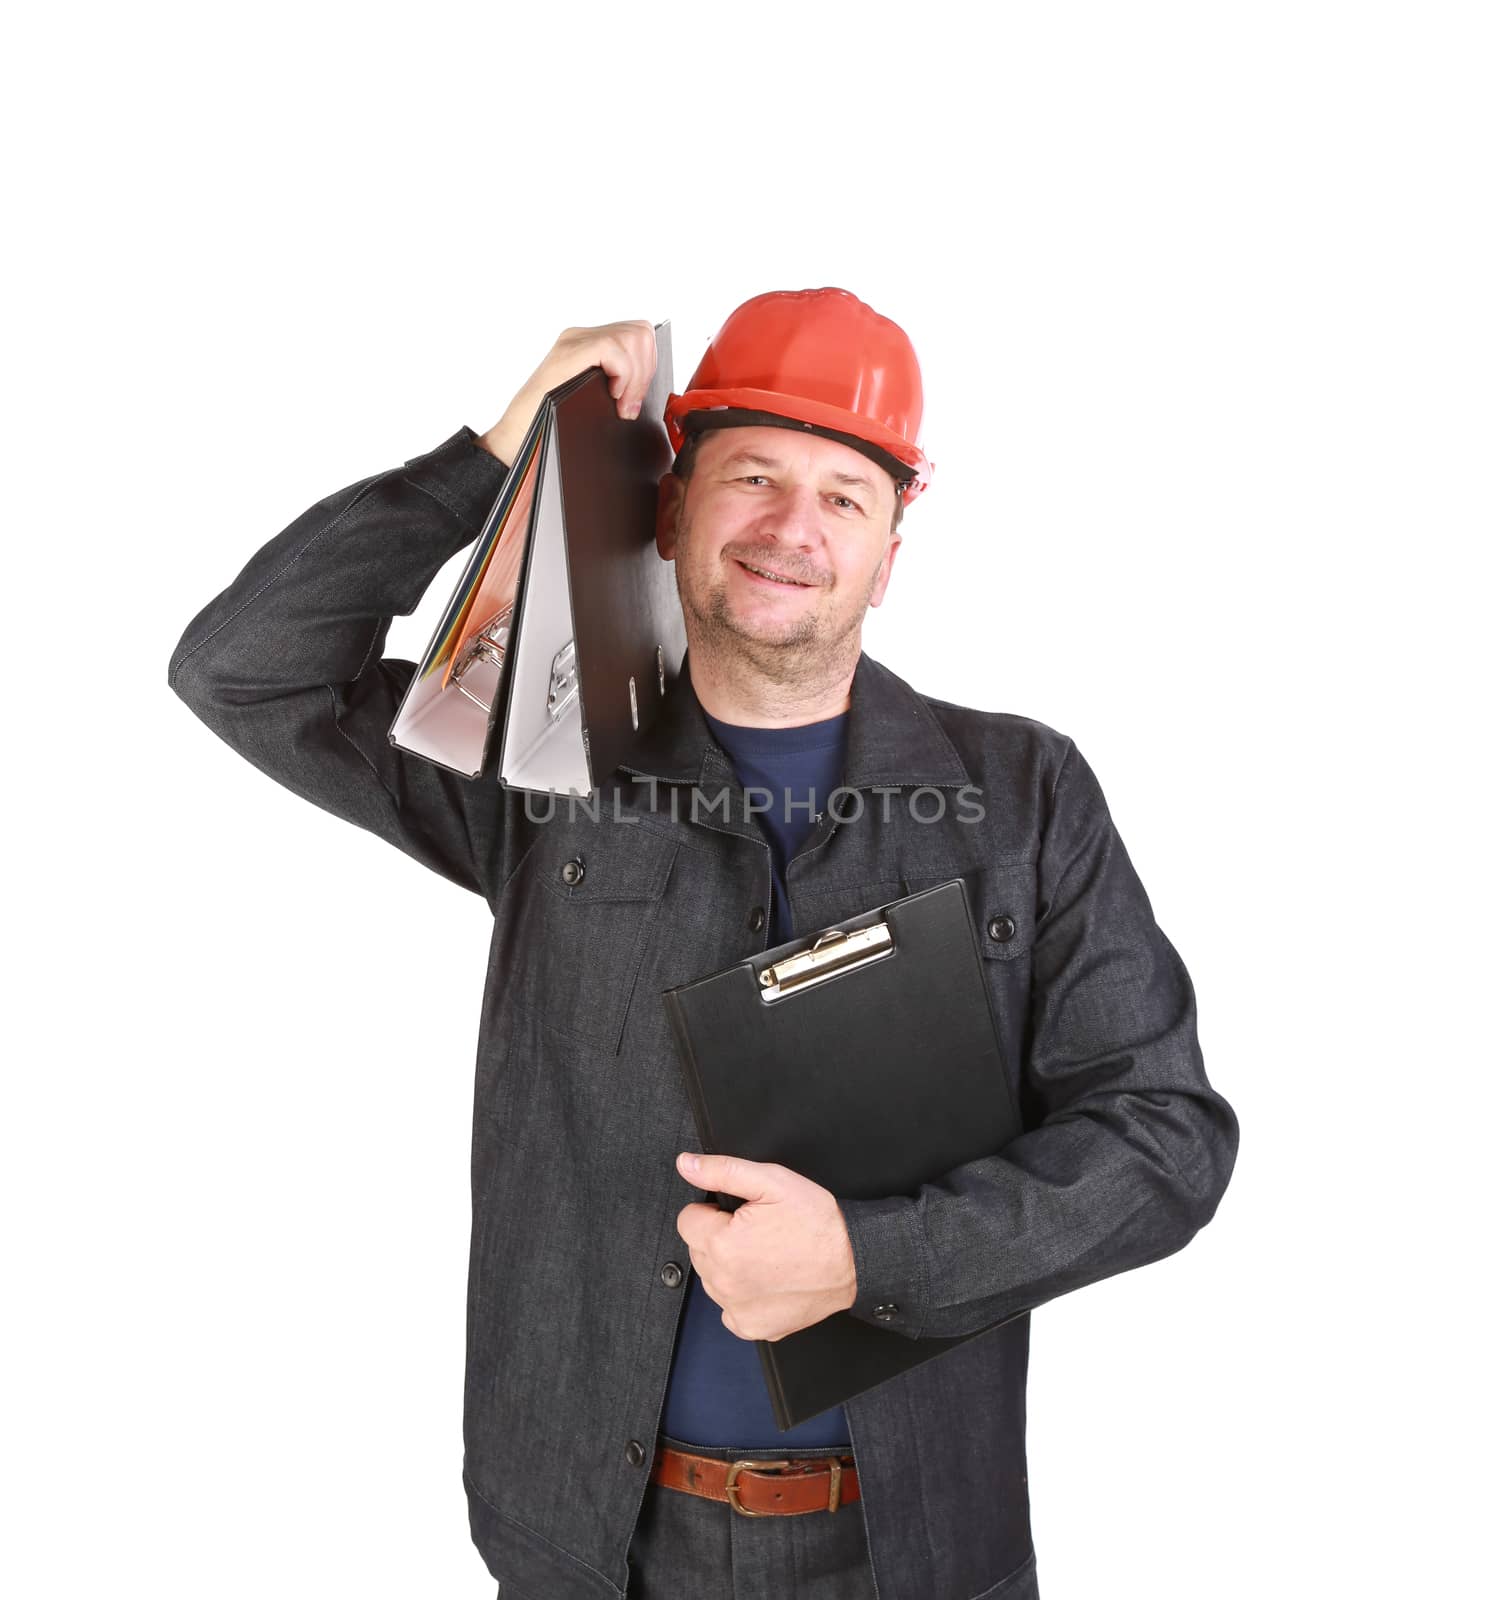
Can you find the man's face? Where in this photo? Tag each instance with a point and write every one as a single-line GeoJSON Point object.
{"type": "Point", "coordinates": [794, 504]}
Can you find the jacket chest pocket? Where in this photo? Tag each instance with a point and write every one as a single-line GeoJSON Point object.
{"type": "Point", "coordinates": [579, 920]}
{"type": "Point", "coordinates": [1003, 902]}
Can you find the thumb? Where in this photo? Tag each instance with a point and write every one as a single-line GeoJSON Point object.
{"type": "Point", "coordinates": [751, 1180]}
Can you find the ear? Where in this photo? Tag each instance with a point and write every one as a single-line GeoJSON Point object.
{"type": "Point", "coordinates": [884, 571]}
{"type": "Point", "coordinates": [670, 492]}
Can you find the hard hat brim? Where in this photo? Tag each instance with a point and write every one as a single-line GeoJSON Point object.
{"type": "Point", "coordinates": [796, 409]}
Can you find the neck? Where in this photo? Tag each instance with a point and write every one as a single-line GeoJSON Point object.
{"type": "Point", "coordinates": [739, 694]}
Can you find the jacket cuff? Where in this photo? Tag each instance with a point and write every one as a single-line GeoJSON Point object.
{"type": "Point", "coordinates": [462, 475]}
{"type": "Point", "coordinates": [891, 1278]}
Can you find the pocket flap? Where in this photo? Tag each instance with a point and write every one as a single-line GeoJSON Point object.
{"type": "Point", "coordinates": [1003, 901]}
{"type": "Point", "coordinates": [607, 861]}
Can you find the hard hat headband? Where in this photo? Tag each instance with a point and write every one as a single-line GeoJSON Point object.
{"type": "Point", "coordinates": [696, 422]}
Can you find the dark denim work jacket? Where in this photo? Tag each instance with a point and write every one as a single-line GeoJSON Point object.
{"type": "Point", "coordinates": [576, 1280]}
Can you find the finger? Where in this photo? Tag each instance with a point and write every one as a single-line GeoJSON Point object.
{"type": "Point", "coordinates": [750, 1180]}
{"type": "Point", "coordinates": [698, 1220]}
{"type": "Point", "coordinates": [614, 348]}
{"type": "Point", "coordinates": [643, 338]}
{"type": "Point", "coordinates": [632, 356]}
{"type": "Point", "coordinates": [616, 356]}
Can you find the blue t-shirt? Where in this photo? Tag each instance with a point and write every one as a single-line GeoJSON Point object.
{"type": "Point", "coordinates": [716, 1392]}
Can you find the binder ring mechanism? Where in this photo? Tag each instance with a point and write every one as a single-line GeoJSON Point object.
{"type": "Point", "coordinates": [489, 645]}
{"type": "Point", "coordinates": [835, 951]}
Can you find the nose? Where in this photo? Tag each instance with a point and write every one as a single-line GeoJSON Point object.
{"type": "Point", "coordinates": [790, 517]}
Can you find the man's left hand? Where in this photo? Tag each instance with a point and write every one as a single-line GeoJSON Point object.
{"type": "Point", "coordinates": [780, 1261]}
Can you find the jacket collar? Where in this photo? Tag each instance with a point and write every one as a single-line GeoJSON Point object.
{"type": "Point", "coordinates": [894, 737]}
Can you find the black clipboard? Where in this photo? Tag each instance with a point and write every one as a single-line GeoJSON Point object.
{"type": "Point", "coordinates": [867, 1058]}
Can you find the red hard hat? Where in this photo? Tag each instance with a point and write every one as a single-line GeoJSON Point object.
{"type": "Point", "coordinates": [822, 358]}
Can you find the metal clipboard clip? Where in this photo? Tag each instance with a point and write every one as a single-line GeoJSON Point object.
{"type": "Point", "coordinates": [834, 952]}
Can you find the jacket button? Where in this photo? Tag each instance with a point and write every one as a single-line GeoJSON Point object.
{"type": "Point", "coordinates": [573, 871]}
{"type": "Point", "coordinates": [885, 1312]}
{"type": "Point", "coordinates": [757, 920]}
{"type": "Point", "coordinates": [634, 1452]}
{"type": "Point", "coordinates": [672, 1274]}
{"type": "Point", "coordinates": [1001, 929]}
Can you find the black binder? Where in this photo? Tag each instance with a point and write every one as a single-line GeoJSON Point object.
{"type": "Point", "coordinates": [562, 637]}
{"type": "Point", "coordinates": [867, 1059]}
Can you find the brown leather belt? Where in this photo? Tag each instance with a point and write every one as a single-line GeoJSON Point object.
{"type": "Point", "coordinates": [761, 1488]}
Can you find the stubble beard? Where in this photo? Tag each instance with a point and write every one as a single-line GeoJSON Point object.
{"type": "Point", "coordinates": [808, 648]}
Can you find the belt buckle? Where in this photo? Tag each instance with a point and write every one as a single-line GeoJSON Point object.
{"type": "Point", "coordinates": [833, 1463]}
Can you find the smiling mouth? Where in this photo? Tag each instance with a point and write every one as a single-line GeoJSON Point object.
{"type": "Point", "coordinates": [773, 577]}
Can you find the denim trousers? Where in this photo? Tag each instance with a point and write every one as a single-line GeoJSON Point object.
{"type": "Point", "coordinates": [685, 1546]}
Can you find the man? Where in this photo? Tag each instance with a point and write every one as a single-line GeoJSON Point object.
{"type": "Point", "coordinates": [612, 1376]}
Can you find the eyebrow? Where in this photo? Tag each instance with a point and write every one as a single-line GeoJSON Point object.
{"type": "Point", "coordinates": [750, 458]}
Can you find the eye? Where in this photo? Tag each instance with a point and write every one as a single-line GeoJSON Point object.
{"type": "Point", "coordinates": [753, 476]}
{"type": "Point", "coordinates": [848, 501]}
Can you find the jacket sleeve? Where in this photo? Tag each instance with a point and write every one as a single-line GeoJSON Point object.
{"type": "Point", "coordinates": [1134, 1148]}
{"type": "Point", "coordinates": [285, 665]}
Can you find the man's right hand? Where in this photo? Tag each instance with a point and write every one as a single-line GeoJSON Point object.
{"type": "Point", "coordinates": [626, 350]}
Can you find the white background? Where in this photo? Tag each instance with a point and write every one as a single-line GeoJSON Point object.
{"type": "Point", "coordinates": [1206, 299]}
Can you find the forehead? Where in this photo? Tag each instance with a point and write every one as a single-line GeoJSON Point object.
{"type": "Point", "coordinates": [791, 449]}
